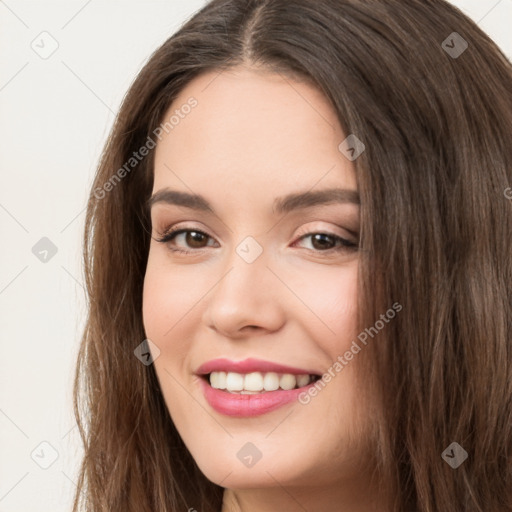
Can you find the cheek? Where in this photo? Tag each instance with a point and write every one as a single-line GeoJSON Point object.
{"type": "Point", "coordinates": [163, 306]}
{"type": "Point", "coordinates": [168, 296]}
{"type": "Point", "coordinates": [173, 297]}
{"type": "Point", "coordinates": [156, 304]}
{"type": "Point", "coordinates": [338, 305]}
{"type": "Point", "coordinates": [329, 297]}
{"type": "Point", "coordinates": [166, 309]}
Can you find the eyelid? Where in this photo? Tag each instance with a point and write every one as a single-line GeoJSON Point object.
{"type": "Point", "coordinates": [341, 242]}
{"type": "Point", "coordinates": [172, 228]}
{"type": "Point", "coordinates": [167, 228]}
{"type": "Point", "coordinates": [176, 230]}
{"type": "Point", "coordinates": [328, 231]}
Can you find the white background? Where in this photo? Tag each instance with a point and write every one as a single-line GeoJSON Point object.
{"type": "Point", "coordinates": [55, 116]}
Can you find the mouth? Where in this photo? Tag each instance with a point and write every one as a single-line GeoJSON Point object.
{"type": "Point", "coordinates": [256, 383]}
{"type": "Point", "coordinates": [252, 387]}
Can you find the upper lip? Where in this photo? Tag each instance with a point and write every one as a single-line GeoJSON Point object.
{"type": "Point", "coordinates": [248, 366]}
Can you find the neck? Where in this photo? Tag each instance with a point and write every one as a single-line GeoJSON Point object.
{"type": "Point", "coordinates": [347, 497]}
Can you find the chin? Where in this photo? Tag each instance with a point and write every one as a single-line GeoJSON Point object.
{"type": "Point", "coordinates": [240, 463]}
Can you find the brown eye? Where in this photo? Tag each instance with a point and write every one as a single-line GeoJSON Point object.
{"type": "Point", "coordinates": [195, 239]}
{"type": "Point", "coordinates": [192, 239]}
{"type": "Point", "coordinates": [324, 242]}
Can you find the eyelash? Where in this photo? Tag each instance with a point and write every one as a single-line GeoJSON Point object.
{"type": "Point", "coordinates": [169, 235]}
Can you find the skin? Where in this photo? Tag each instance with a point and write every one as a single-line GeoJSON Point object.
{"type": "Point", "coordinates": [255, 136]}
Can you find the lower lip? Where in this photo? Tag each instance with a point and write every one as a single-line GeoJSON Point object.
{"type": "Point", "coordinates": [242, 406]}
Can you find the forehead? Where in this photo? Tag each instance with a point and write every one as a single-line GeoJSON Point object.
{"type": "Point", "coordinates": [251, 130]}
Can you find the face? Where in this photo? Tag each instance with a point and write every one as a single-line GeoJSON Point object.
{"type": "Point", "coordinates": [247, 291]}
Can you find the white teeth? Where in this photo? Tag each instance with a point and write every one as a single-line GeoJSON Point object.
{"type": "Point", "coordinates": [257, 382]}
{"type": "Point", "coordinates": [253, 381]}
{"type": "Point", "coordinates": [234, 381]}
{"type": "Point", "coordinates": [271, 381]}
{"type": "Point", "coordinates": [287, 381]}
{"type": "Point", "coordinates": [303, 380]}
{"type": "Point", "coordinates": [218, 380]}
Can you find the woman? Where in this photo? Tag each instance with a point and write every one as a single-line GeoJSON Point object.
{"type": "Point", "coordinates": [297, 252]}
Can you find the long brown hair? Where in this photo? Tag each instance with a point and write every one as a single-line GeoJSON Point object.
{"type": "Point", "coordinates": [436, 237]}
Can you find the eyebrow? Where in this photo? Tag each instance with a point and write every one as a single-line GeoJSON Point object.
{"type": "Point", "coordinates": [285, 204]}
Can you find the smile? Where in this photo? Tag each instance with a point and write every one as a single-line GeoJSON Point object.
{"type": "Point", "coordinates": [251, 387]}
{"type": "Point", "coordinates": [258, 382]}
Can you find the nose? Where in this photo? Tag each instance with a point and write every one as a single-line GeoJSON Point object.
{"type": "Point", "coordinates": [248, 299]}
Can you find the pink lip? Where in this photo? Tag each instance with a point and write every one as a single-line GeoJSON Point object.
{"type": "Point", "coordinates": [242, 406]}
{"type": "Point", "coordinates": [238, 405]}
{"type": "Point", "coordinates": [248, 366]}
